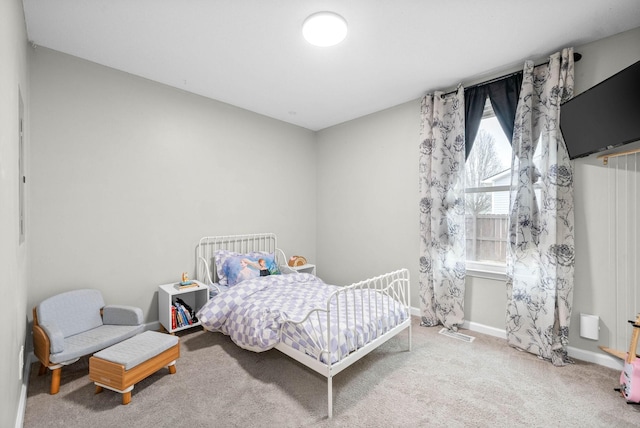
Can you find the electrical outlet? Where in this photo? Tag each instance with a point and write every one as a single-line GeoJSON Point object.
{"type": "Point", "coordinates": [20, 362]}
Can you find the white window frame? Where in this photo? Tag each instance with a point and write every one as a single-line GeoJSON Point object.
{"type": "Point", "coordinates": [495, 271]}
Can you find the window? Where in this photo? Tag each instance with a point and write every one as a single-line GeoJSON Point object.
{"type": "Point", "coordinates": [488, 176]}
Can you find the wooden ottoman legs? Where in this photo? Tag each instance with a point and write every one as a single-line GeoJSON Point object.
{"type": "Point", "coordinates": [126, 393]}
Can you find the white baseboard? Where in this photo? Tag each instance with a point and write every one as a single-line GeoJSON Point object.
{"type": "Point", "coordinates": [22, 404]}
{"type": "Point", "coordinates": [485, 329]}
{"type": "Point", "coordinates": [596, 358]}
{"type": "Point", "coordinates": [155, 326]}
{"type": "Point", "coordinates": [579, 354]}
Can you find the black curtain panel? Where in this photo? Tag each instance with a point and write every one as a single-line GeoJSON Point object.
{"type": "Point", "coordinates": [503, 94]}
{"type": "Point", "coordinates": [474, 100]}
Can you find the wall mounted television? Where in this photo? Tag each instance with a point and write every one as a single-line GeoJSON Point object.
{"type": "Point", "coordinates": [604, 116]}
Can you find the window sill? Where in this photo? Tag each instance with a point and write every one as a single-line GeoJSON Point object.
{"type": "Point", "coordinates": [488, 272]}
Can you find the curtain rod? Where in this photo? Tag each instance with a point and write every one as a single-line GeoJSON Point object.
{"type": "Point", "coordinates": [576, 57]}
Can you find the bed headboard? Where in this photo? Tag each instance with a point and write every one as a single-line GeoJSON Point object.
{"type": "Point", "coordinates": [208, 245]}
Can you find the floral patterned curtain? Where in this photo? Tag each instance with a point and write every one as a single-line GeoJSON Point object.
{"type": "Point", "coordinates": [442, 220]}
{"type": "Point", "coordinates": [540, 256]}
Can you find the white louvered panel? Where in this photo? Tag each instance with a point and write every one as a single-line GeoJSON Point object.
{"type": "Point", "coordinates": [624, 252]}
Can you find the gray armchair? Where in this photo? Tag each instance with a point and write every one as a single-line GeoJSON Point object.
{"type": "Point", "coordinates": [71, 325]}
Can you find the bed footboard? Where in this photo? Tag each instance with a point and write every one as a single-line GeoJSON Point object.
{"type": "Point", "coordinates": [356, 320]}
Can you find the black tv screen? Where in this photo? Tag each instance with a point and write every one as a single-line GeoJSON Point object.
{"type": "Point", "coordinates": [604, 116]}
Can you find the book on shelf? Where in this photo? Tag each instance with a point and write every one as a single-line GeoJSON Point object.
{"type": "Point", "coordinates": [182, 314]}
{"type": "Point", "coordinates": [188, 309]}
{"type": "Point", "coordinates": [179, 319]}
{"type": "Point", "coordinates": [186, 315]}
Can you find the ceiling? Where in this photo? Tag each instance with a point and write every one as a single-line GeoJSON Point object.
{"type": "Point", "coordinates": [251, 54]}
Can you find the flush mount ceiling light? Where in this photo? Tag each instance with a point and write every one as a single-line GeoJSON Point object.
{"type": "Point", "coordinates": [324, 29]}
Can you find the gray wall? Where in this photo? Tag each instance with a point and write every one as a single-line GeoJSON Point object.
{"type": "Point", "coordinates": [128, 174]}
{"type": "Point", "coordinates": [367, 196]}
{"type": "Point", "coordinates": [13, 255]}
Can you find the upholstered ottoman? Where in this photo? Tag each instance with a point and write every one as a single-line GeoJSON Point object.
{"type": "Point", "coordinates": [124, 364]}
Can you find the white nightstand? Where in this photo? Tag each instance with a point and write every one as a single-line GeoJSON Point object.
{"type": "Point", "coordinates": [308, 268]}
{"type": "Point", "coordinates": [195, 297]}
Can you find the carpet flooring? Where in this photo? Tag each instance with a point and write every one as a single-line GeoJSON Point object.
{"type": "Point", "coordinates": [441, 382]}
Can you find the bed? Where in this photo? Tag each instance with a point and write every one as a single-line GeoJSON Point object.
{"type": "Point", "coordinates": [324, 327]}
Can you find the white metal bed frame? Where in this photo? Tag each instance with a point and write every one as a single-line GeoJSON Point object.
{"type": "Point", "coordinates": [393, 287]}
